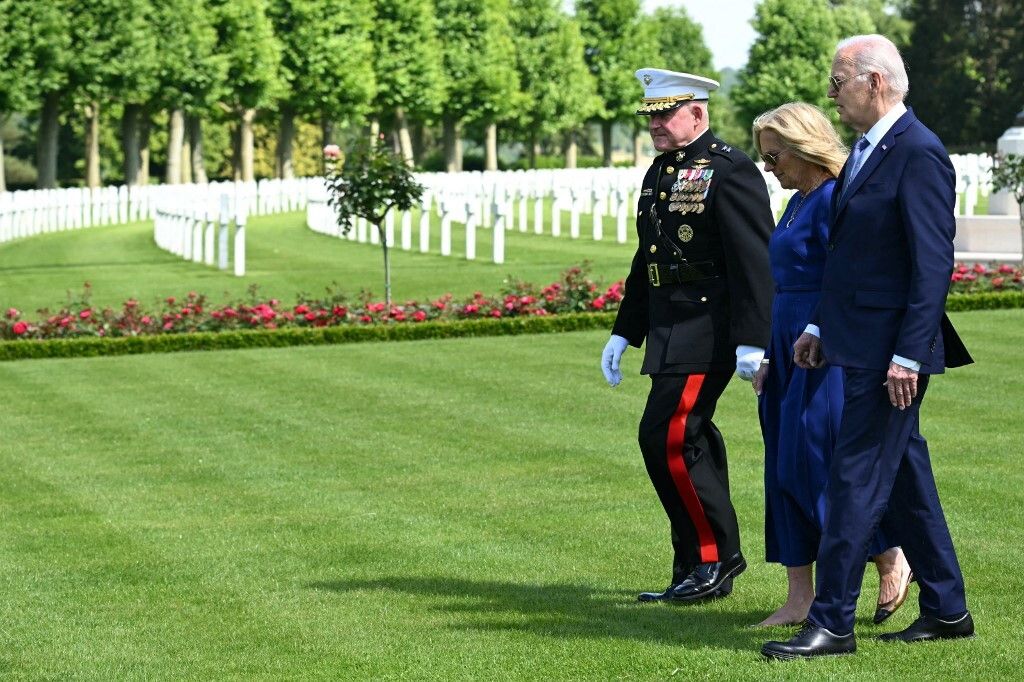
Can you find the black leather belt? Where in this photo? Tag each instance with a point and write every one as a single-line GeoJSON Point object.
{"type": "Point", "coordinates": [659, 274]}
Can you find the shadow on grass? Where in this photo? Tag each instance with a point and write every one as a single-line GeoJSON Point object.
{"type": "Point", "coordinates": [573, 611]}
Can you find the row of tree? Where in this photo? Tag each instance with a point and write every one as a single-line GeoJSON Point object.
{"type": "Point", "coordinates": [462, 68]}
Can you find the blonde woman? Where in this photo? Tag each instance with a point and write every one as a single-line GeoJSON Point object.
{"type": "Point", "coordinates": [799, 408]}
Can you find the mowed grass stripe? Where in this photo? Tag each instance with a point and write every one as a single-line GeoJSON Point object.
{"type": "Point", "coordinates": [285, 258]}
{"type": "Point", "coordinates": [464, 509]}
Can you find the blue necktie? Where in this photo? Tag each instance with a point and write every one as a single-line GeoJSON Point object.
{"type": "Point", "coordinates": [856, 161]}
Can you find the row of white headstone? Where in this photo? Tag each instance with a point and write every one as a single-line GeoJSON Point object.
{"type": "Point", "coordinates": [31, 212]}
{"type": "Point", "coordinates": [200, 231]}
{"type": "Point", "coordinates": [503, 201]}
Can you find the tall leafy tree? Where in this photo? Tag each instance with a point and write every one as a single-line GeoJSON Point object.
{"type": "Point", "coordinates": [610, 29]}
{"type": "Point", "coordinates": [114, 50]}
{"type": "Point", "coordinates": [16, 85]}
{"type": "Point", "coordinates": [790, 59]}
{"type": "Point", "coordinates": [49, 54]}
{"type": "Point", "coordinates": [191, 77]}
{"type": "Point", "coordinates": [408, 65]}
{"type": "Point", "coordinates": [245, 35]}
{"type": "Point", "coordinates": [854, 17]}
{"type": "Point", "coordinates": [326, 65]}
{"type": "Point", "coordinates": [559, 92]}
{"type": "Point", "coordinates": [477, 56]}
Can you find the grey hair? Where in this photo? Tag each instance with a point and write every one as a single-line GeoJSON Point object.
{"type": "Point", "coordinates": [877, 54]}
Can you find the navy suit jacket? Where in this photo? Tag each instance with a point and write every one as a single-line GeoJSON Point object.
{"type": "Point", "coordinates": [890, 257]}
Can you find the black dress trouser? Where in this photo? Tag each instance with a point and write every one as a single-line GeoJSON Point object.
{"type": "Point", "coordinates": [685, 457]}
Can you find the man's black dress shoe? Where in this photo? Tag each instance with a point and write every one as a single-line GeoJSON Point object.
{"type": "Point", "coordinates": [811, 641]}
{"type": "Point", "coordinates": [928, 628]}
{"type": "Point", "coordinates": [723, 591]}
{"type": "Point", "coordinates": [707, 579]}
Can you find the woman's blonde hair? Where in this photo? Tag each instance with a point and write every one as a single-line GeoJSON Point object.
{"type": "Point", "coordinates": [806, 132]}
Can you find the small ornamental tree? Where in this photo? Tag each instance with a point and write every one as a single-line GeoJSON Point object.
{"type": "Point", "coordinates": [1008, 174]}
{"type": "Point", "coordinates": [367, 184]}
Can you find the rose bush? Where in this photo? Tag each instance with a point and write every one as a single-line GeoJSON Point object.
{"type": "Point", "coordinates": [969, 279]}
{"type": "Point", "coordinates": [575, 291]}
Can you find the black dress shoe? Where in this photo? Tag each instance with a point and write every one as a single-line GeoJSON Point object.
{"type": "Point", "coordinates": [707, 579]}
{"type": "Point", "coordinates": [724, 590]}
{"type": "Point", "coordinates": [928, 628]}
{"type": "Point", "coordinates": [811, 641]}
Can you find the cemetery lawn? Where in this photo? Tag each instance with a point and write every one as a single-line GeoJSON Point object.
{"type": "Point", "coordinates": [438, 510]}
{"type": "Point", "coordinates": [285, 258]}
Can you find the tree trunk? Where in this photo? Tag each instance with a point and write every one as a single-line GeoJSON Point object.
{"type": "Point", "coordinates": [92, 145]}
{"type": "Point", "coordinates": [571, 149]}
{"type": "Point", "coordinates": [418, 143]}
{"type": "Point", "coordinates": [534, 149]}
{"type": "Point", "coordinates": [3, 174]}
{"type": "Point", "coordinates": [245, 145]}
{"type": "Point", "coordinates": [195, 134]}
{"type": "Point", "coordinates": [236, 152]}
{"type": "Point", "coordinates": [491, 147]}
{"type": "Point", "coordinates": [374, 129]}
{"type": "Point", "coordinates": [144, 127]}
{"type": "Point", "coordinates": [130, 143]}
{"type": "Point", "coordinates": [285, 142]}
{"type": "Point", "coordinates": [606, 141]}
{"type": "Point", "coordinates": [450, 136]}
{"type": "Point", "coordinates": [638, 145]}
{"type": "Point", "coordinates": [327, 131]}
{"type": "Point", "coordinates": [387, 267]}
{"type": "Point", "coordinates": [186, 153]}
{"type": "Point", "coordinates": [175, 139]}
{"type": "Point", "coordinates": [46, 145]}
{"type": "Point", "coordinates": [404, 141]}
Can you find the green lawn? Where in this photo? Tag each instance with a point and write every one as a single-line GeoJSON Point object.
{"type": "Point", "coordinates": [285, 258]}
{"type": "Point", "coordinates": [470, 509]}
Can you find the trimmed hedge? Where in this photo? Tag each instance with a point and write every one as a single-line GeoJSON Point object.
{"type": "Point", "coordinates": [281, 338]}
{"type": "Point", "coordinates": [986, 300]}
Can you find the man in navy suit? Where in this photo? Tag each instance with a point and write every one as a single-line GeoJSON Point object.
{"type": "Point", "coordinates": [881, 319]}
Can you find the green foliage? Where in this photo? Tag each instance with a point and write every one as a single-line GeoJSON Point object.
{"type": "Point", "coordinates": [612, 33]}
{"type": "Point", "coordinates": [245, 35]}
{"type": "Point", "coordinates": [478, 58]}
{"type": "Point", "coordinates": [369, 183]}
{"type": "Point", "coordinates": [790, 59]}
{"type": "Point", "coordinates": [407, 59]}
{"type": "Point", "coordinates": [1008, 174]}
{"type": "Point", "coordinates": [971, 53]}
{"type": "Point", "coordinates": [560, 93]}
{"type": "Point", "coordinates": [327, 56]}
{"type": "Point", "coordinates": [193, 70]}
{"type": "Point", "coordinates": [678, 43]}
{"type": "Point", "coordinates": [15, 39]}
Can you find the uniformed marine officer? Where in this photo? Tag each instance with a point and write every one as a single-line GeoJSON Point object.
{"type": "Point", "coordinates": [699, 293]}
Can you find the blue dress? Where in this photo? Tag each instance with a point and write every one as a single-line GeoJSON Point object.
{"type": "Point", "coordinates": [799, 409]}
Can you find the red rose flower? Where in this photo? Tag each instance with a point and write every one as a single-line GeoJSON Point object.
{"type": "Point", "coordinates": [20, 328]}
{"type": "Point", "coordinates": [12, 313]}
{"type": "Point", "coordinates": [419, 316]}
{"type": "Point", "coordinates": [85, 314]}
{"type": "Point", "coordinates": [598, 303]}
{"type": "Point", "coordinates": [310, 316]}
{"type": "Point", "coordinates": [301, 309]}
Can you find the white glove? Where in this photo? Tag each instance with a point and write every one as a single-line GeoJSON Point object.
{"type": "Point", "coordinates": [748, 360]}
{"type": "Point", "coordinates": [610, 359]}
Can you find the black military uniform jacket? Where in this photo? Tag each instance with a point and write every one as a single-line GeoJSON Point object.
{"type": "Point", "coordinates": [700, 283]}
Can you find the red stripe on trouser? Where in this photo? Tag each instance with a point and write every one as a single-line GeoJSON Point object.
{"type": "Point", "coordinates": [681, 476]}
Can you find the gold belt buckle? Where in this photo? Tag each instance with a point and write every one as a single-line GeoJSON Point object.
{"type": "Point", "coordinates": [652, 275]}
